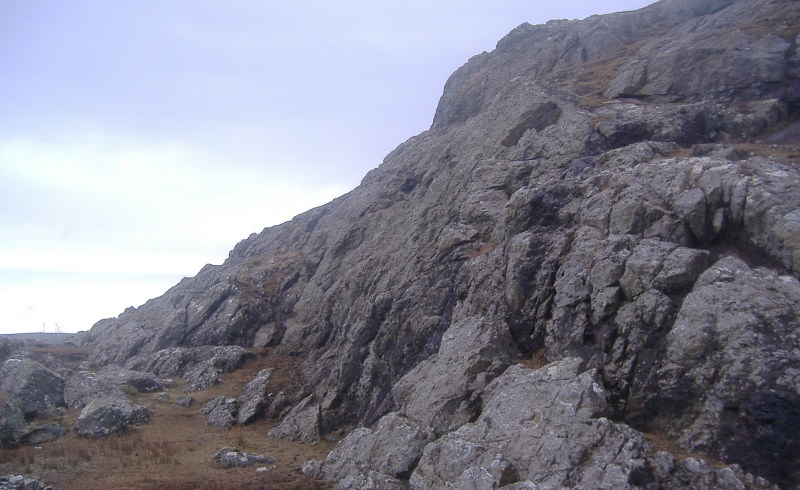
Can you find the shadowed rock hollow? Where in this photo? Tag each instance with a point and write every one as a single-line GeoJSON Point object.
{"type": "Point", "coordinates": [612, 202]}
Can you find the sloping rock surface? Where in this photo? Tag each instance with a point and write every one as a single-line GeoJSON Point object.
{"type": "Point", "coordinates": [253, 398]}
{"type": "Point", "coordinates": [619, 193]}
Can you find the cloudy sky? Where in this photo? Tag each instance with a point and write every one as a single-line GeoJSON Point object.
{"type": "Point", "coordinates": [141, 140]}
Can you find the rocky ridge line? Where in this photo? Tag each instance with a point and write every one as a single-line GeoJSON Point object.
{"type": "Point", "coordinates": [591, 194]}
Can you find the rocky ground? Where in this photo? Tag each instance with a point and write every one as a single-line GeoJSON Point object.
{"type": "Point", "coordinates": [174, 448]}
{"type": "Point", "coordinates": [584, 275]}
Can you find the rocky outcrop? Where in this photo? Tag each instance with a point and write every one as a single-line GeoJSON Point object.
{"type": "Point", "coordinates": [221, 412]}
{"type": "Point", "coordinates": [85, 386]}
{"type": "Point", "coordinates": [253, 399]}
{"type": "Point", "coordinates": [387, 454]}
{"type": "Point", "coordinates": [302, 423]}
{"type": "Point", "coordinates": [200, 366]}
{"type": "Point", "coordinates": [602, 196]}
{"type": "Point", "coordinates": [142, 382]}
{"type": "Point", "coordinates": [107, 416]}
{"type": "Point", "coordinates": [36, 389]}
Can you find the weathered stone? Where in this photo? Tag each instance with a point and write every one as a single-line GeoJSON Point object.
{"type": "Point", "coordinates": [230, 457]}
{"type": "Point", "coordinates": [529, 434]}
{"type": "Point", "coordinates": [389, 452]}
{"type": "Point", "coordinates": [8, 347]}
{"type": "Point", "coordinates": [83, 387]}
{"type": "Point", "coordinates": [37, 390]}
{"type": "Point", "coordinates": [731, 367]}
{"type": "Point", "coordinates": [301, 424]}
{"type": "Point", "coordinates": [184, 401]}
{"type": "Point", "coordinates": [35, 435]}
{"type": "Point", "coordinates": [439, 392]}
{"type": "Point", "coordinates": [12, 421]}
{"type": "Point", "coordinates": [200, 366]}
{"type": "Point", "coordinates": [253, 397]}
{"type": "Point", "coordinates": [278, 405]}
{"type": "Point", "coordinates": [143, 382]}
{"type": "Point", "coordinates": [105, 416]}
{"type": "Point", "coordinates": [221, 412]}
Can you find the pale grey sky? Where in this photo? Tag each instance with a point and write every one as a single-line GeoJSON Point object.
{"type": "Point", "coordinates": [141, 140]}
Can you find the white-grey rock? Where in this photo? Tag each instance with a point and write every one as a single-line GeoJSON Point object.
{"type": "Point", "coordinates": [253, 397]}
{"type": "Point", "coordinates": [221, 412]}
{"type": "Point", "coordinates": [106, 416]}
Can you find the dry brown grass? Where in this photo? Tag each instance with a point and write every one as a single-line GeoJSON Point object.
{"type": "Point", "coordinates": [789, 154]}
{"type": "Point", "coordinates": [537, 360]}
{"type": "Point", "coordinates": [174, 450]}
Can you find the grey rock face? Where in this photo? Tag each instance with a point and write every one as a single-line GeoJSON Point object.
{"type": "Point", "coordinates": [143, 382]}
{"type": "Point", "coordinates": [301, 424]}
{"type": "Point", "coordinates": [221, 412]}
{"type": "Point", "coordinates": [36, 389]}
{"type": "Point", "coordinates": [545, 428]}
{"type": "Point", "coordinates": [388, 453]}
{"type": "Point", "coordinates": [560, 404]}
{"type": "Point", "coordinates": [107, 416]}
{"type": "Point", "coordinates": [200, 366]}
{"type": "Point", "coordinates": [603, 193]}
{"type": "Point", "coordinates": [12, 422]}
{"type": "Point", "coordinates": [733, 351]}
{"type": "Point", "coordinates": [253, 398]}
{"type": "Point", "coordinates": [439, 391]}
{"type": "Point", "coordinates": [83, 387]}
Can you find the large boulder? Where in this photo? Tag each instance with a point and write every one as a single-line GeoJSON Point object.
{"type": "Point", "coordinates": [107, 416]}
{"type": "Point", "coordinates": [83, 387]}
{"type": "Point", "coordinates": [221, 412]}
{"type": "Point", "coordinates": [36, 389]}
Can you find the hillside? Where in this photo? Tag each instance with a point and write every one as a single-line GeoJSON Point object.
{"type": "Point", "coordinates": [585, 274]}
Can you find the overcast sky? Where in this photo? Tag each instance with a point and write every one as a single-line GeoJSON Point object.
{"type": "Point", "coordinates": [140, 140]}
